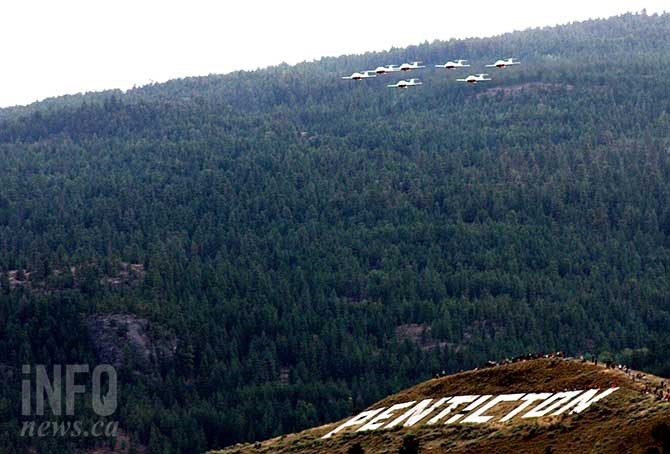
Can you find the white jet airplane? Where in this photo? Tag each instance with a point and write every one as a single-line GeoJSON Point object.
{"type": "Point", "coordinates": [504, 63]}
{"type": "Point", "coordinates": [454, 64]}
{"type": "Point", "coordinates": [359, 76]}
{"type": "Point", "coordinates": [387, 69]}
{"type": "Point", "coordinates": [411, 66]}
{"type": "Point", "coordinates": [405, 84]}
{"type": "Point", "coordinates": [474, 79]}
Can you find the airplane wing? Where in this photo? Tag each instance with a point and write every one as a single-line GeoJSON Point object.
{"type": "Point", "coordinates": [441, 66]}
{"type": "Point", "coordinates": [490, 66]}
{"type": "Point", "coordinates": [461, 80]}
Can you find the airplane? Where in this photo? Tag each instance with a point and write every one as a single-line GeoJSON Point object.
{"type": "Point", "coordinates": [474, 79]}
{"type": "Point", "coordinates": [387, 69]}
{"type": "Point", "coordinates": [454, 64]}
{"type": "Point", "coordinates": [411, 66]}
{"type": "Point", "coordinates": [405, 84]}
{"type": "Point", "coordinates": [504, 63]}
{"type": "Point", "coordinates": [359, 76]}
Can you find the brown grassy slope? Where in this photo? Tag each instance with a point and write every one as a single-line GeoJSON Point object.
{"type": "Point", "coordinates": [621, 423]}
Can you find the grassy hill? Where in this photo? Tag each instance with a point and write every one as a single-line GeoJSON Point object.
{"type": "Point", "coordinates": [632, 420]}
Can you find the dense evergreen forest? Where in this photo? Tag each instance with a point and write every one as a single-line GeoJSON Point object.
{"type": "Point", "coordinates": [314, 244]}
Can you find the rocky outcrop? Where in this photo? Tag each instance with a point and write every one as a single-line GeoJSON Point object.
{"type": "Point", "coordinates": [122, 339]}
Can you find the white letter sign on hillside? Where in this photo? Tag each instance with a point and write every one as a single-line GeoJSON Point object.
{"type": "Point", "coordinates": [552, 404]}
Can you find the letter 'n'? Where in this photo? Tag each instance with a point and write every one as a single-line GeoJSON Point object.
{"type": "Point", "coordinates": [44, 386]}
{"type": "Point", "coordinates": [584, 401]}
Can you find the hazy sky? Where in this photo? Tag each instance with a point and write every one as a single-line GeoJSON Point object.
{"type": "Point", "coordinates": [50, 48]}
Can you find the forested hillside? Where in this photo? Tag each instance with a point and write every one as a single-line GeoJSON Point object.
{"type": "Point", "coordinates": [315, 244]}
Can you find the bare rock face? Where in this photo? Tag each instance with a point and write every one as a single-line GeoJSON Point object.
{"type": "Point", "coordinates": [125, 339]}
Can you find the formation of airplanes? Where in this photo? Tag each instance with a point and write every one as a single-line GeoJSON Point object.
{"type": "Point", "coordinates": [450, 65]}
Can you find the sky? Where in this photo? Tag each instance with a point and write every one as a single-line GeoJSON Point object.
{"type": "Point", "coordinates": [51, 48]}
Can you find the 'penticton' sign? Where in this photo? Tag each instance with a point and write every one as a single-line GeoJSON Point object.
{"type": "Point", "coordinates": [446, 410]}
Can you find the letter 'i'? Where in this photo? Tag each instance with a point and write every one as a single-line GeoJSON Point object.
{"type": "Point", "coordinates": [25, 390]}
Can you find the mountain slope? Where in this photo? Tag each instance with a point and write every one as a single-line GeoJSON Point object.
{"type": "Point", "coordinates": [313, 245]}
